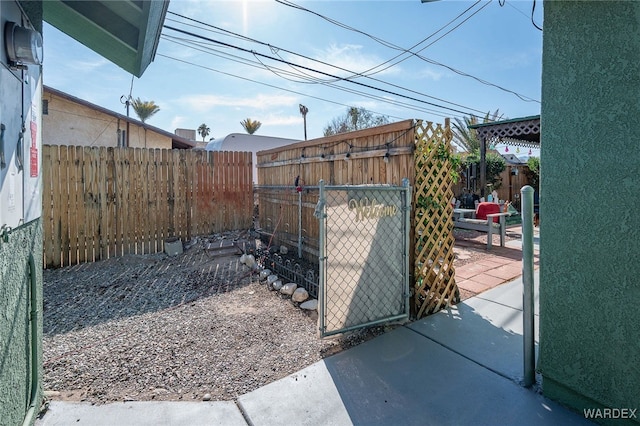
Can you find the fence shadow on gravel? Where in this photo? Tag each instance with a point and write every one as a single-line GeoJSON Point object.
{"type": "Point", "coordinates": [90, 294]}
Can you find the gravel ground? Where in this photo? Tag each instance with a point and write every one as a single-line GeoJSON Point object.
{"type": "Point", "coordinates": [153, 327]}
{"type": "Point", "coordinates": [190, 327]}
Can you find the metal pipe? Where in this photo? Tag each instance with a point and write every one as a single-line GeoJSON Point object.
{"type": "Point", "coordinates": [528, 311]}
{"type": "Point", "coordinates": [483, 165]}
{"type": "Point", "coordinates": [35, 374]}
{"type": "Point", "coordinates": [406, 226]}
{"type": "Point", "coordinates": [322, 256]}
{"type": "Point", "coordinates": [299, 224]}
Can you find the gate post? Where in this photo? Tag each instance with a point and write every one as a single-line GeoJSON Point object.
{"type": "Point", "coordinates": [407, 246]}
{"type": "Point", "coordinates": [528, 333]}
{"type": "Point", "coordinates": [320, 214]}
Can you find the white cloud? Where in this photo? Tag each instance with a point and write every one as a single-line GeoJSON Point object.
{"type": "Point", "coordinates": [429, 73]}
{"type": "Point", "coordinates": [346, 56]}
{"type": "Point", "coordinates": [202, 103]}
{"type": "Point", "coordinates": [178, 121]}
{"type": "Point", "coordinates": [281, 120]}
{"type": "Point", "coordinates": [90, 65]}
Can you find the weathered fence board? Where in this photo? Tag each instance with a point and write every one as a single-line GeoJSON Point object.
{"type": "Point", "coordinates": [105, 202]}
{"type": "Point", "coordinates": [415, 150]}
{"type": "Point", "coordinates": [353, 158]}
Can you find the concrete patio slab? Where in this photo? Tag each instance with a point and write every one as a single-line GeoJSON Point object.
{"type": "Point", "coordinates": [152, 413]}
{"type": "Point", "coordinates": [510, 294]}
{"type": "Point", "coordinates": [403, 378]}
{"type": "Point", "coordinates": [308, 397]}
{"type": "Point", "coordinates": [486, 329]}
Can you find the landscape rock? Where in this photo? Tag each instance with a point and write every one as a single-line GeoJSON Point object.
{"type": "Point", "coordinates": [277, 285]}
{"type": "Point", "coordinates": [310, 305]}
{"type": "Point", "coordinates": [288, 289]}
{"type": "Point", "coordinates": [271, 279]}
{"type": "Point", "coordinates": [206, 397]}
{"type": "Point", "coordinates": [250, 261]}
{"type": "Point", "coordinates": [300, 295]}
{"type": "Point", "coordinates": [264, 274]}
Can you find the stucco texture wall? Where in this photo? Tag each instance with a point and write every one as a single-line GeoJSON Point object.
{"type": "Point", "coordinates": [590, 220]}
{"type": "Point", "coordinates": [70, 123]}
{"type": "Point", "coordinates": [15, 342]}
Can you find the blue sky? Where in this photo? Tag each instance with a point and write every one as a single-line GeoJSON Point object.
{"type": "Point", "coordinates": [195, 81]}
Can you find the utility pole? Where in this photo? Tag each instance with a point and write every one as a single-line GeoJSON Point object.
{"type": "Point", "coordinates": [304, 110]}
{"type": "Point", "coordinates": [127, 101]}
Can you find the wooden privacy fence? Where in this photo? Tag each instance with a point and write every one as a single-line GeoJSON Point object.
{"type": "Point", "coordinates": [378, 155]}
{"type": "Point", "coordinates": [513, 178]}
{"type": "Point", "coordinates": [386, 154]}
{"type": "Point", "coordinates": [105, 202]}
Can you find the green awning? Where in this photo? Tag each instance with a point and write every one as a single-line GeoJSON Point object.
{"type": "Point", "coordinates": [126, 32]}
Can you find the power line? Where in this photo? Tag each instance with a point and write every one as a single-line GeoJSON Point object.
{"type": "Point", "coordinates": [244, 61]}
{"type": "Point", "coordinates": [279, 72]}
{"type": "Point", "coordinates": [336, 78]}
{"type": "Point", "coordinates": [393, 46]}
{"type": "Point", "coordinates": [318, 71]}
{"type": "Point", "coordinates": [270, 85]}
{"type": "Point", "coordinates": [411, 53]}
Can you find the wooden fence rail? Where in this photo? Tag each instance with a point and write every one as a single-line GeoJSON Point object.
{"type": "Point", "coordinates": [416, 150]}
{"type": "Point", "coordinates": [105, 202]}
{"type": "Point", "coordinates": [380, 155]}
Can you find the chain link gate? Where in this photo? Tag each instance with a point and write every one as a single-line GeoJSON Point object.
{"type": "Point", "coordinates": [364, 256]}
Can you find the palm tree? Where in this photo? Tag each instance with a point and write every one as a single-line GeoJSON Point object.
{"type": "Point", "coordinates": [204, 131]}
{"type": "Point", "coordinates": [144, 109]}
{"type": "Point", "coordinates": [251, 126]}
{"type": "Point", "coordinates": [467, 138]}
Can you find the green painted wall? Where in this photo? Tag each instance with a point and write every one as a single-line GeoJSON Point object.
{"type": "Point", "coordinates": [590, 204]}
{"type": "Point", "coordinates": [15, 342]}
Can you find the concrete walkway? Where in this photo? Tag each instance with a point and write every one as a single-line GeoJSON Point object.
{"type": "Point", "coordinates": [461, 366]}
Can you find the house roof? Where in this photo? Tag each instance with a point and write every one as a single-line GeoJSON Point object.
{"type": "Point", "coordinates": [513, 159]}
{"type": "Point", "coordinates": [246, 142]}
{"type": "Point", "coordinates": [177, 142]}
{"type": "Point", "coordinates": [126, 32]}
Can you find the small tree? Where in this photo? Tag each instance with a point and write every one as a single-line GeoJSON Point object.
{"type": "Point", "coordinates": [250, 126]}
{"type": "Point", "coordinates": [495, 165]}
{"type": "Point", "coordinates": [144, 109]}
{"type": "Point", "coordinates": [354, 119]}
{"type": "Point", "coordinates": [533, 175]}
{"type": "Point", "coordinates": [204, 131]}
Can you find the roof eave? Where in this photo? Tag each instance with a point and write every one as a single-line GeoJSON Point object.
{"type": "Point", "coordinates": [125, 32]}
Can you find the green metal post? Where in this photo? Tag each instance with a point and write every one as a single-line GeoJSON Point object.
{"type": "Point", "coordinates": [527, 281]}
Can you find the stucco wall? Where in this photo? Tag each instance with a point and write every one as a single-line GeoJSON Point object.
{"type": "Point", "coordinates": [15, 347]}
{"type": "Point", "coordinates": [70, 123]}
{"type": "Point", "coordinates": [590, 221]}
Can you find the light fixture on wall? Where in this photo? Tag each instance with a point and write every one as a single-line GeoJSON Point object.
{"type": "Point", "coordinates": [24, 46]}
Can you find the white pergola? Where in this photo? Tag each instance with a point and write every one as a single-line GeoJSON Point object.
{"type": "Point", "coordinates": [522, 132]}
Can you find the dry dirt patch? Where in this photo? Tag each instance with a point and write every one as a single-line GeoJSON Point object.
{"type": "Point", "coordinates": [153, 327]}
